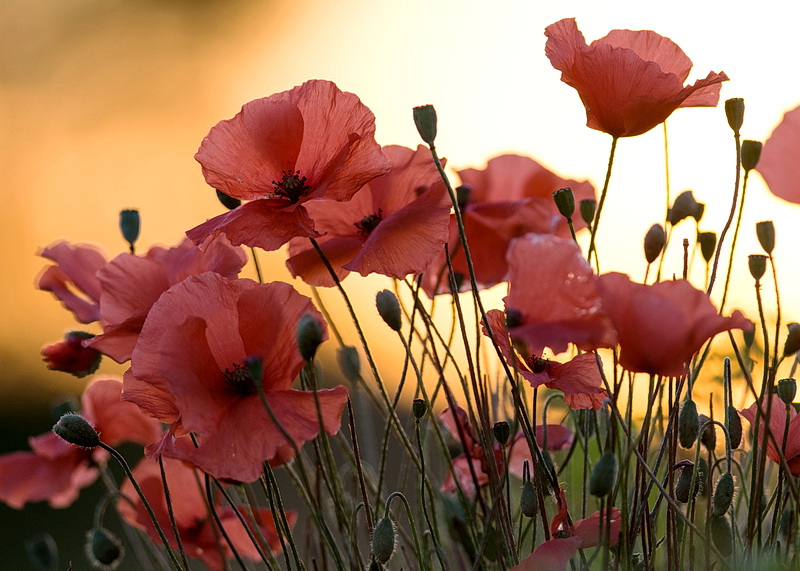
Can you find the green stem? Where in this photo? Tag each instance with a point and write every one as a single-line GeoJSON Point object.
{"type": "Point", "coordinates": [602, 201]}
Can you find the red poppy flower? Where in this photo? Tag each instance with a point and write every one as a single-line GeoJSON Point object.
{"type": "Point", "coordinates": [73, 279]}
{"type": "Point", "coordinates": [196, 527]}
{"type": "Point", "coordinates": [394, 225]}
{"type": "Point", "coordinates": [661, 326]}
{"type": "Point", "coordinates": [777, 425]}
{"type": "Point", "coordinates": [579, 379]}
{"type": "Point", "coordinates": [188, 369]}
{"type": "Point", "coordinates": [57, 471]}
{"type": "Point", "coordinates": [70, 356]}
{"type": "Point", "coordinates": [554, 301]}
{"type": "Point", "coordinates": [511, 197]}
{"type": "Point", "coordinates": [313, 141]}
{"type": "Point", "coordinates": [778, 163]}
{"type": "Point", "coordinates": [629, 81]}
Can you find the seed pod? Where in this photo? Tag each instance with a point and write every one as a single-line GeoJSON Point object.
{"type": "Point", "coordinates": [419, 407]}
{"type": "Point", "coordinates": [723, 495]}
{"type": "Point", "coordinates": [792, 344]}
{"type": "Point", "coordinates": [751, 152]}
{"type": "Point", "coordinates": [734, 111]}
{"type": "Point", "coordinates": [129, 225]}
{"type": "Point", "coordinates": [708, 243]}
{"type": "Point", "coordinates": [528, 500]}
{"type": "Point", "coordinates": [765, 232]}
{"type": "Point", "coordinates": [787, 389]}
{"type": "Point", "coordinates": [565, 202]}
{"type": "Point", "coordinates": [604, 475]}
{"type": "Point", "coordinates": [425, 120]}
{"type": "Point", "coordinates": [383, 540]}
{"type": "Point", "coordinates": [734, 426]}
{"type": "Point", "coordinates": [587, 207]}
{"type": "Point", "coordinates": [688, 424]}
{"type": "Point", "coordinates": [757, 264]}
{"type": "Point", "coordinates": [722, 535]}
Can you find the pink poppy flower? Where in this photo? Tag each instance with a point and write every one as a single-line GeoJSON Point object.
{"type": "Point", "coordinates": [511, 197]}
{"type": "Point", "coordinates": [188, 369]}
{"type": "Point", "coordinates": [73, 279]}
{"type": "Point", "coordinates": [311, 142]}
{"type": "Point", "coordinates": [579, 379]}
{"type": "Point", "coordinates": [196, 527]}
{"type": "Point", "coordinates": [778, 163]}
{"type": "Point", "coordinates": [70, 356]}
{"type": "Point", "coordinates": [554, 301]}
{"type": "Point", "coordinates": [661, 326]}
{"type": "Point", "coordinates": [57, 471]}
{"type": "Point", "coordinates": [777, 425]}
{"type": "Point", "coordinates": [629, 81]}
{"type": "Point", "coordinates": [393, 226]}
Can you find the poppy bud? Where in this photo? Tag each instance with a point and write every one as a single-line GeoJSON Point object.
{"type": "Point", "coordinates": [757, 264]}
{"type": "Point", "coordinates": [604, 475]}
{"type": "Point", "coordinates": [76, 430]}
{"type": "Point", "coordinates": [383, 539]}
{"type": "Point", "coordinates": [501, 431]}
{"type": "Point", "coordinates": [463, 194]}
{"type": "Point", "coordinates": [565, 202]}
{"type": "Point", "coordinates": [389, 308]}
{"type": "Point", "coordinates": [723, 495]}
{"type": "Point", "coordinates": [749, 337]}
{"type": "Point", "coordinates": [419, 407]}
{"type": "Point", "coordinates": [349, 362]}
{"type": "Point", "coordinates": [734, 426]}
{"type": "Point", "coordinates": [708, 243]}
{"type": "Point", "coordinates": [709, 437]}
{"type": "Point", "coordinates": [688, 424]}
{"type": "Point", "coordinates": [587, 207]}
{"type": "Point", "coordinates": [787, 389]}
{"type": "Point", "coordinates": [228, 202]}
{"type": "Point", "coordinates": [792, 344]}
{"type": "Point", "coordinates": [722, 535]}
{"type": "Point", "coordinates": [70, 356]}
{"type": "Point", "coordinates": [42, 551]}
{"type": "Point", "coordinates": [751, 152]}
{"type": "Point", "coordinates": [685, 206]}
{"type": "Point", "coordinates": [685, 482]}
{"type": "Point", "coordinates": [309, 336]}
{"type": "Point", "coordinates": [765, 231]}
{"type": "Point", "coordinates": [734, 111]}
{"type": "Point", "coordinates": [654, 242]}
{"type": "Point", "coordinates": [425, 120]}
{"type": "Point", "coordinates": [528, 501]}
{"type": "Point", "coordinates": [103, 549]}
{"type": "Point", "coordinates": [129, 224]}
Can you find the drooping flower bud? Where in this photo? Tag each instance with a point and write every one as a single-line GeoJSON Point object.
{"type": "Point", "coordinates": [309, 336]}
{"type": "Point", "coordinates": [757, 264]}
{"type": "Point", "coordinates": [389, 308]}
{"type": "Point", "coordinates": [587, 207]}
{"type": "Point", "coordinates": [228, 202]}
{"type": "Point", "coordinates": [419, 407]}
{"type": "Point", "coordinates": [501, 431]}
{"type": "Point", "coordinates": [349, 362]}
{"type": "Point", "coordinates": [734, 111]}
{"type": "Point", "coordinates": [688, 424]}
{"type": "Point", "coordinates": [685, 206]}
{"type": "Point", "coordinates": [751, 152]}
{"type": "Point", "coordinates": [766, 235]}
{"type": "Point", "coordinates": [654, 242]}
{"type": "Point", "coordinates": [708, 243]}
{"type": "Point", "coordinates": [709, 436]}
{"type": "Point", "coordinates": [103, 549]}
{"type": "Point", "coordinates": [383, 540]}
{"type": "Point", "coordinates": [787, 389]}
{"type": "Point", "coordinates": [565, 202]}
{"type": "Point", "coordinates": [684, 484]}
{"type": "Point", "coordinates": [42, 551]}
{"type": "Point", "coordinates": [528, 500]}
{"type": "Point", "coordinates": [70, 356]}
{"type": "Point", "coordinates": [129, 224]}
{"type": "Point", "coordinates": [734, 426]}
{"type": "Point", "coordinates": [76, 430]}
{"type": "Point", "coordinates": [723, 495]}
{"type": "Point", "coordinates": [792, 344]}
{"type": "Point", "coordinates": [604, 475]}
{"type": "Point", "coordinates": [425, 120]}
{"type": "Point", "coordinates": [721, 535]}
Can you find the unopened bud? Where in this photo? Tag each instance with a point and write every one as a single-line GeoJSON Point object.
{"type": "Point", "coordinates": [425, 120]}
{"type": "Point", "coordinates": [734, 111]}
{"type": "Point", "coordinates": [684, 483]}
{"type": "Point", "coordinates": [721, 535]}
{"type": "Point", "coordinates": [792, 344]}
{"type": "Point", "coordinates": [787, 389]}
{"type": "Point", "coordinates": [389, 308]}
{"type": "Point", "coordinates": [463, 194]}
{"type": "Point", "coordinates": [227, 201]}
{"type": "Point", "coordinates": [528, 500]}
{"type": "Point", "coordinates": [309, 336]}
{"type": "Point", "coordinates": [383, 540]}
{"type": "Point", "coordinates": [587, 207]}
{"type": "Point", "coordinates": [654, 242]}
{"type": "Point", "coordinates": [688, 424]}
{"type": "Point", "coordinates": [103, 549]}
{"type": "Point", "coordinates": [501, 431]}
{"type": "Point", "coordinates": [604, 475]}
{"type": "Point", "coordinates": [349, 362]}
{"type": "Point", "coordinates": [749, 336]}
{"type": "Point", "coordinates": [130, 224]}
{"type": "Point", "coordinates": [708, 243]}
{"type": "Point", "coordinates": [734, 426]}
{"type": "Point", "coordinates": [76, 430]}
{"type": "Point", "coordinates": [766, 235]}
{"type": "Point", "coordinates": [419, 407]}
{"type": "Point", "coordinates": [685, 206]}
{"type": "Point", "coordinates": [42, 551]}
{"type": "Point", "coordinates": [723, 495]}
{"type": "Point", "coordinates": [565, 202]}
{"type": "Point", "coordinates": [757, 264]}
{"type": "Point", "coordinates": [751, 152]}
{"type": "Point", "coordinates": [709, 436]}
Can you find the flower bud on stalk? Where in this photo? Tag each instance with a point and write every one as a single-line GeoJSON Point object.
{"type": "Point", "coordinates": [787, 389]}
{"type": "Point", "coordinates": [309, 336]}
{"type": "Point", "coordinates": [130, 224]}
{"type": "Point", "coordinates": [722, 535]}
{"type": "Point", "coordinates": [751, 152]}
{"type": "Point", "coordinates": [734, 111]}
{"type": "Point", "coordinates": [734, 426]}
{"type": "Point", "coordinates": [758, 265]}
{"type": "Point", "coordinates": [383, 540]}
{"type": "Point", "coordinates": [565, 202]}
{"type": "Point", "coordinates": [389, 309]}
{"type": "Point", "coordinates": [501, 431]}
{"type": "Point", "coordinates": [684, 483]}
{"type": "Point", "coordinates": [425, 120]}
{"type": "Point", "coordinates": [103, 549]}
{"type": "Point", "coordinates": [708, 243]}
{"type": "Point", "coordinates": [587, 208]}
{"type": "Point", "coordinates": [654, 242]}
{"type": "Point", "coordinates": [765, 231]}
{"type": "Point", "coordinates": [463, 194]}
{"type": "Point", "coordinates": [688, 424]}
{"type": "Point", "coordinates": [419, 407]}
{"type": "Point", "coordinates": [723, 495]}
{"type": "Point", "coordinates": [528, 500]}
{"type": "Point", "coordinates": [76, 430]}
{"type": "Point", "coordinates": [792, 344]}
{"type": "Point", "coordinates": [604, 475]}
{"type": "Point", "coordinates": [709, 437]}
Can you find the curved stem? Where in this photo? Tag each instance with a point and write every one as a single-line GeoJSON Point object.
{"type": "Point", "coordinates": [730, 216]}
{"type": "Point", "coordinates": [602, 201]}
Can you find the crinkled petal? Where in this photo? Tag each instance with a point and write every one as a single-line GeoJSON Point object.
{"type": "Point", "coordinates": [552, 555]}
{"type": "Point", "coordinates": [115, 420]}
{"type": "Point", "coordinates": [27, 477]}
{"type": "Point", "coordinates": [778, 163]}
{"type": "Point", "coordinates": [651, 46]}
{"type": "Point", "coordinates": [589, 530]}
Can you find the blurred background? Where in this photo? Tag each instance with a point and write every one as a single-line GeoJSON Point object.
{"type": "Point", "coordinates": [103, 104]}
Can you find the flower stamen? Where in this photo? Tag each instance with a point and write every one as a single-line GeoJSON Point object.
{"type": "Point", "coordinates": [367, 224]}
{"type": "Point", "coordinates": [292, 186]}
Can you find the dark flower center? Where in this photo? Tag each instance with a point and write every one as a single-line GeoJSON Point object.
{"type": "Point", "coordinates": [369, 223]}
{"type": "Point", "coordinates": [292, 186]}
{"type": "Point", "coordinates": [239, 380]}
{"type": "Point", "coordinates": [538, 364]}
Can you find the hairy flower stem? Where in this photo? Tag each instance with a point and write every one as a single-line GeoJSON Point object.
{"type": "Point", "coordinates": [359, 468]}
{"type": "Point", "coordinates": [603, 193]}
{"type": "Point", "coordinates": [168, 499]}
{"type": "Point", "coordinates": [733, 243]}
{"type": "Point", "coordinates": [242, 521]}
